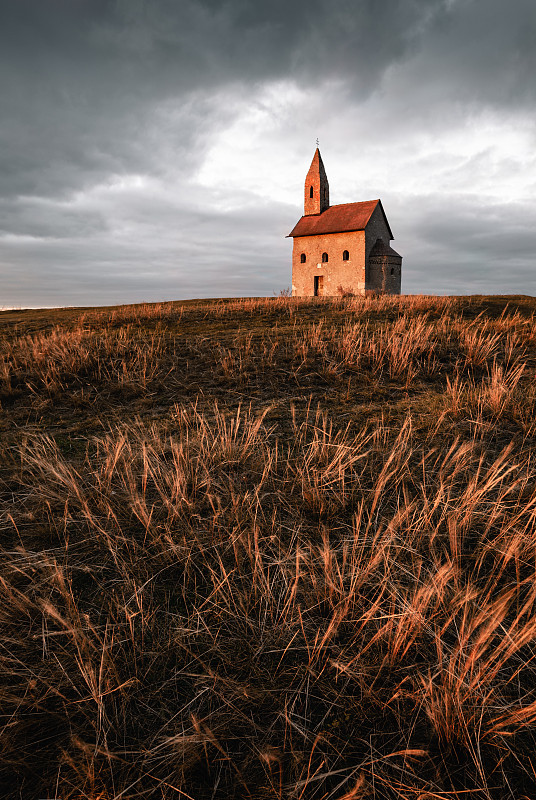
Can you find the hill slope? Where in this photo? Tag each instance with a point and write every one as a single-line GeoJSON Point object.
{"type": "Point", "coordinates": [269, 549]}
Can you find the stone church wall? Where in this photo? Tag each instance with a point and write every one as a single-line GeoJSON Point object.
{"type": "Point", "coordinates": [385, 274]}
{"type": "Point", "coordinates": [350, 275]}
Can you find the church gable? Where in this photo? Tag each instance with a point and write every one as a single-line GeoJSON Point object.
{"type": "Point", "coordinates": [377, 228]}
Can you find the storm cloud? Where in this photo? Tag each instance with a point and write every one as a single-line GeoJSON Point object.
{"type": "Point", "coordinates": [156, 149]}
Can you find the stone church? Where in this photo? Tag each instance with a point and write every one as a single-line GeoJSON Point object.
{"type": "Point", "coordinates": [341, 249]}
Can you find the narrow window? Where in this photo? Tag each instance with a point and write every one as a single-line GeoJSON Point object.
{"type": "Point", "coordinates": [346, 255]}
{"type": "Point", "coordinates": [392, 271]}
{"type": "Point", "coordinates": [311, 192]}
{"type": "Point", "coordinates": [324, 258]}
{"type": "Point", "coordinates": [302, 258]}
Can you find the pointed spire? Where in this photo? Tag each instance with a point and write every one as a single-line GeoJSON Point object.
{"type": "Point", "coordinates": [316, 187]}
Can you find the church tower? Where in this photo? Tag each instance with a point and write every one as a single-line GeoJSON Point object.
{"type": "Point", "coordinates": [316, 187]}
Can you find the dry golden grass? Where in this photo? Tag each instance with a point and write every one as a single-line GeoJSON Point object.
{"type": "Point", "coordinates": [276, 549]}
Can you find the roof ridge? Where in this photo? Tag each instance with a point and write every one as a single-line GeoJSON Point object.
{"type": "Point", "coordinates": [355, 203]}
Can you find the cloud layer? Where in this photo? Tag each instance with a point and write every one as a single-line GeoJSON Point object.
{"type": "Point", "coordinates": [157, 149]}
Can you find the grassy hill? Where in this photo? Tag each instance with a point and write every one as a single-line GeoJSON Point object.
{"type": "Point", "coordinates": [269, 549]}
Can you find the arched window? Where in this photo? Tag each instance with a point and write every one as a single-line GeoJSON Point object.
{"type": "Point", "coordinates": [311, 192]}
{"type": "Point", "coordinates": [303, 258]}
{"type": "Point", "coordinates": [346, 255]}
{"type": "Point", "coordinates": [324, 258]}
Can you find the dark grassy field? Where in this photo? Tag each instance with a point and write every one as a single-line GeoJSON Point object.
{"type": "Point", "coordinates": [269, 549]}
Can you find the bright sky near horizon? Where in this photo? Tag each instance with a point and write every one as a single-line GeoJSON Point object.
{"type": "Point", "coordinates": [157, 149]}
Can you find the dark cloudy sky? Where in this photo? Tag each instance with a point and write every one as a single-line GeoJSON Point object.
{"type": "Point", "coordinates": [157, 149]}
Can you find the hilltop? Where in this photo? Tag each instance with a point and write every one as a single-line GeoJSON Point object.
{"type": "Point", "coordinates": [269, 548]}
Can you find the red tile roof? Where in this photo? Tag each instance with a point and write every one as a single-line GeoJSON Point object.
{"type": "Point", "coordinates": [337, 219]}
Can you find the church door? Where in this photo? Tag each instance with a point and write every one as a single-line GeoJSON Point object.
{"type": "Point", "coordinates": [319, 285]}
